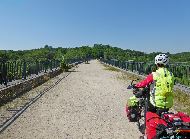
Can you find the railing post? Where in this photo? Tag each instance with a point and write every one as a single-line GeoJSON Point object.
{"type": "Point", "coordinates": [4, 73]}
{"type": "Point", "coordinates": [17, 74]}
{"type": "Point", "coordinates": [24, 70]}
{"type": "Point", "coordinates": [37, 67]}
{"type": "Point", "coordinates": [126, 65]}
{"type": "Point", "coordinates": [14, 69]}
{"type": "Point", "coordinates": [1, 79]}
{"type": "Point", "coordinates": [46, 65]}
{"type": "Point", "coordinates": [51, 64]}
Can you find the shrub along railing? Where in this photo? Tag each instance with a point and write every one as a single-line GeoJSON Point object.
{"type": "Point", "coordinates": [181, 71]}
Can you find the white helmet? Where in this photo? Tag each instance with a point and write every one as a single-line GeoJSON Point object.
{"type": "Point", "coordinates": [162, 59]}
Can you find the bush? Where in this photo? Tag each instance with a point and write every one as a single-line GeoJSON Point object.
{"type": "Point", "coordinates": [64, 66]}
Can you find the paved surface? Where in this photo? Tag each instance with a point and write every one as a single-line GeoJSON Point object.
{"type": "Point", "coordinates": [89, 103]}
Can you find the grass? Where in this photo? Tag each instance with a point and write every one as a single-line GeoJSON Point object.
{"type": "Point", "coordinates": [110, 68]}
{"type": "Point", "coordinates": [181, 101]}
{"type": "Point", "coordinates": [124, 74]}
{"type": "Point", "coordinates": [129, 76]}
{"type": "Point", "coordinates": [122, 77]}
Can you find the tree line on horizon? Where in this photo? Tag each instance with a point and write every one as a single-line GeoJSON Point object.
{"type": "Point", "coordinates": [96, 51]}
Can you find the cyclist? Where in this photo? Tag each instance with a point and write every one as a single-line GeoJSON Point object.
{"type": "Point", "coordinates": [162, 83]}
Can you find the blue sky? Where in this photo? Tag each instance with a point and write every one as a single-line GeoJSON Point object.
{"type": "Point", "coordinates": [144, 25]}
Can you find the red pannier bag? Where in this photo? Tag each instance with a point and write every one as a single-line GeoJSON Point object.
{"type": "Point", "coordinates": [154, 125]}
{"type": "Point", "coordinates": [184, 117]}
{"type": "Point", "coordinates": [132, 113]}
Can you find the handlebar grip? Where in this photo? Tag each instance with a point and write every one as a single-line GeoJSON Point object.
{"type": "Point", "coordinates": [134, 87]}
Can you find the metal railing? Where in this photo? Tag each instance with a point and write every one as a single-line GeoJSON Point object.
{"type": "Point", "coordinates": [15, 70]}
{"type": "Point", "coordinates": [180, 71]}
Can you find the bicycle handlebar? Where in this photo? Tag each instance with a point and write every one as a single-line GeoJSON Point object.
{"type": "Point", "coordinates": [138, 92]}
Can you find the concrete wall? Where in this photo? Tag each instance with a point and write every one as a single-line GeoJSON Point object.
{"type": "Point", "coordinates": [13, 91]}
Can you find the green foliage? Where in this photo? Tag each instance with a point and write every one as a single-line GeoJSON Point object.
{"type": "Point", "coordinates": [97, 51]}
{"type": "Point", "coordinates": [41, 54]}
{"type": "Point", "coordinates": [181, 57]}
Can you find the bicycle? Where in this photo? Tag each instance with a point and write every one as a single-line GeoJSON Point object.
{"type": "Point", "coordinates": [165, 125]}
{"type": "Point", "coordinates": [142, 105]}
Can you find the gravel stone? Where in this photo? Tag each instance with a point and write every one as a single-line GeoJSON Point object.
{"type": "Point", "coordinates": [88, 104]}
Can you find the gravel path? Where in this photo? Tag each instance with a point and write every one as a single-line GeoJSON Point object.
{"type": "Point", "coordinates": [89, 103]}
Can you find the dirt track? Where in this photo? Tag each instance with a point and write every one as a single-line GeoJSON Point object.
{"type": "Point", "coordinates": [89, 103]}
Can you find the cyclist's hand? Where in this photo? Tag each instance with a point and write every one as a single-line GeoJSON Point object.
{"type": "Point", "coordinates": [134, 87]}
